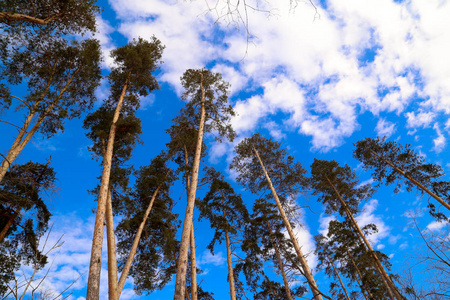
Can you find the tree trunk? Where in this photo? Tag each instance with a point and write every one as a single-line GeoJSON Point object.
{"type": "Point", "coordinates": [193, 266]}
{"type": "Point", "coordinates": [27, 18]}
{"type": "Point", "coordinates": [112, 255]}
{"type": "Point", "coordinates": [93, 287]}
{"type": "Point", "coordinates": [23, 137]}
{"type": "Point", "coordinates": [360, 283]}
{"type": "Point", "coordinates": [137, 238]}
{"type": "Point", "coordinates": [339, 277]}
{"type": "Point", "coordinates": [185, 288]}
{"type": "Point", "coordinates": [391, 288]}
{"type": "Point", "coordinates": [9, 224]}
{"type": "Point", "coordinates": [424, 188]}
{"type": "Point", "coordinates": [280, 263]}
{"type": "Point", "coordinates": [180, 282]}
{"type": "Point", "coordinates": [306, 270]}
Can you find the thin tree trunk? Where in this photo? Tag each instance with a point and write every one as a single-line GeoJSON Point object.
{"type": "Point", "coordinates": [23, 137]}
{"type": "Point", "coordinates": [9, 224]}
{"type": "Point", "coordinates": [193, 266]}
{"type": "Point", "coordinates": [417, 183]}
{"type": "Point", "coordinates": [93, 287]}
{"type": "Point", "coordinates": [112, 255]}
{"type": "Point", "coordinates": [280, 263]}
{"type": "Point", "coordinates": [306, 270]}
{"type": "Point", "coordinates": [361, 284]}
{"type": "Point", "coordinates": [137, 238]}
{"type": "Point", "coordinates": [392, 290]}
{"type": "Point", "coordinates": [339, 277]}
{"type": "Point", "coordinates": [27, 18]}
{"type": "Point", "coordinates": [229, 261]}
{"type": "Point", "coordinates": [180, 282]}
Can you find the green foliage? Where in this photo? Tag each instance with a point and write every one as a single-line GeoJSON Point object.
{"type": "Point", "coordinates": [61, 77]}
{"type": "Point", "coordinates": [224, 209]}
{"type": "Point", "coordinates": [288, 177]}
{"type": "Point", "coordinates": [63, 16]}
{"type": "Point", "coordinates": [217, 109]}
{"type": "Point", "coordinates": [406, 159]}
{"type": "Point", "coordinates": [21, 202]}
{"type": "Point", "coordinates": [344, 180]}
{"type": "Point", "coordinates": [341, 245]}
{"type": "Point", "coordinates": [135, 62]}
{"type": "Point", "coordinates": [153, 265]}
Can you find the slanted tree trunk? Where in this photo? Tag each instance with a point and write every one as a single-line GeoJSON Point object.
{"type": "Point", "coordinates": [8, 224]}
{"type": "Point", "coordinates": [417, 183]}
{"type": "Point", "coordinates": [97, 240]}
{"type": "Point", "coordinates": [112, 255]}
{"type": "Point", "coordinates": [27, 18]}
{"type": "Point", "coordinates": [137, 238]}
{"type": "Point", "coordinates": [180, 282]}
{"type": "Point", "coordinates": [306, 270]}
{"type": "Point", "coordinates": [280, 263]}
{"type": "Point", "coordinates": [391, 288]}
{"type": "Point", "coordinates": [339, 277]}
{"type": "Point", "coordinates": [25, 134]}
{"type": "Point", "coordinates": [360, 279]}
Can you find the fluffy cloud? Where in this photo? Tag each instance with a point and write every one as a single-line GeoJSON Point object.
{"type": "Point", "coordinates": [320, 73]}
{"type": "Point", "coordinates": [385, 128]}
{"type": "Point", "coordinates": [368, 216]}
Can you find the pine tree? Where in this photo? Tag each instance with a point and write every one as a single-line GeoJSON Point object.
{"type": "Point", "coordinates": [24, 217]}
{"type": "Point", "coordinates": [261, 165]}
{"type": "Point", "coordinates": [227, 214]}
{"type": "Point", "coordinates": [147, 230]}
{"type": "Point", "coordinates": [61, 77]}
{"type": "Point", "coordinates": [394, 163]}
{"type": "Point", "coordinates": [131, 79]}
{"type": "Point", "coordinates": [207, 94]}
{"type": "Point", "coordinates": [340, 191]}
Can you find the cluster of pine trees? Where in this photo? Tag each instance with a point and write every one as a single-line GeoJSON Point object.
{"type": "Point", "coordinates": [149, 243]}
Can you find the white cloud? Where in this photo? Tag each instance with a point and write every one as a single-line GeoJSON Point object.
{"type": "Point", "coordinates": [436, 226]}
{"type": "Point", "coordinates": [324, 222]}
{"type": "Point", "coordinates": [317, 72]}
{"type": "Point", "coordinates": [385, 128]}
{"type": "Point", "coordinates": [368, 216]}
{"type": "Point", "coordinates": [440, 141]}
{"type": "Point", "coordinates": [207, 258]}
{"type": "Point", "coordinates": [421, 119]}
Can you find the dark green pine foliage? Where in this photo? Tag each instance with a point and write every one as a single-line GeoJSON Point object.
{"type": "Point", "coordinates": [343, 247]}
{"type": "Point", "coordinates": [344, 180]}
{"type": "Point", "coordinates": [61, 80]}
{"type": "Point", "coordinates": [288, 176]}
{"type": "Point", "coordinates": [128, 132]}
{"type": "Point", "coordinates": [23, 20]}
{"type": "Point", "coordinates": [24, 217]}
{"type": "Point", "coordinates": [227, 214]}
{"type": "Point", "coordinates": [153, 265]}
{"type": "Point", "coordinates": [408, 168]}
{"type": "Point", "coordinates": [223, 208]}
{"type": "Point", "coordinates": [268, 229]}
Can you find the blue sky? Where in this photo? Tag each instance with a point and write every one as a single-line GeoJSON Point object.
{"type": "Point", "coordinates": [315, 82]}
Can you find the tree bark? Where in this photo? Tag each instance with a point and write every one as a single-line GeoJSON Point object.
{"type": "Point", "coordinates": [193, 266]}
{"type": "Point", "coordinates": [180, 282]}
{"type": "Point", "coordinates": [424, 188]}
{"type": "Point", "coordinates": [9, 224]}
{"type": "Point", "coordinates": [93, 287]}
{"type": "Point", "coordinates": [280, 263]}
{"type": "Point", "coordinates": [137, 238]}
{"type": "Point", "coordinates": [392, 290]}
{"type": "Point", "coordinates": [360, 283]}
{"type": "Point", "coordinates": [112, 255]}
{"type": "Point", "coordinates": [306, 270]}
{"type": "Point", "coordinates": [23, 137]}
{"type": "Point", "coordinates": [27, 18]}
{"type": "Point", "coordinates": [339, 277]}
